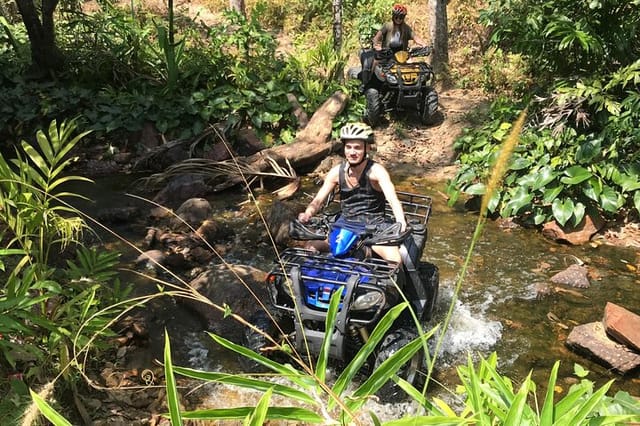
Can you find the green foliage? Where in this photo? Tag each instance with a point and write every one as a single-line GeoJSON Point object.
{"type": "Point", "coordinates": [490, 398]}
{"type": "Point", "coordinates": [567, 36]}
{"type": "Point", "coordinates": [42, 304]}
{"type": "Point", "coordinates": [559, 177]}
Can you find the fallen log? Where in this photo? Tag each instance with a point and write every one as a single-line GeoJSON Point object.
{"type": "Point", "coordinates": [312, 144]}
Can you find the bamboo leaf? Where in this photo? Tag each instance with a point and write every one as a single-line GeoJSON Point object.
{"type": "Point", "coordinates": [285, 370]}
{"type": "Point", "coordinates": [321, 365]}
{"type": "Point", "coordinates": [295, 414]}
{"type": "Point", "coordinates": [547, 413]}
{"type": "Point", "coordinates": [172, 392]}
{"type": "Point", "coordinates": [367, 349]}
{"type": "Point", "coordinates": [52, 415]}
{"type": "Point", "coordinates": [259, 415]}
{"type": "Point", "coordinates": [247, 383]}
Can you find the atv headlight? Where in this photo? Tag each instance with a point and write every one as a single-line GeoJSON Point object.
{"type": "Point", "coordinates": [392, 79]}
{"type": "Point", "coordinates": [367, 301]}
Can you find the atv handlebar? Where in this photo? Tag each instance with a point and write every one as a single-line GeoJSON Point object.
{"type": "Point", "coordinates": [318, 229]}
{"type": "Point", "coordinates": [389, 236]}
{"type": "Point", "coordinates": [302, 232]}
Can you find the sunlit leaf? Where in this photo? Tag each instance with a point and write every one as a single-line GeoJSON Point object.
{"type": "Point", "coordinates": [562, 210]}
{"type": "Point", "coordinates": [574, 175]}
{"type": "Point", "coordinates": [52, 415]}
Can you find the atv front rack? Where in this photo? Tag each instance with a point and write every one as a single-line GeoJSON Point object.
{"type": "Point", "coordinates": [311, 279]}
{"type": "Point", "coordinates": [318, 276]}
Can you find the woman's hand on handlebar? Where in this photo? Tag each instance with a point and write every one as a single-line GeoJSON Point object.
{"type": "Point", "coordinates": [304, 217]}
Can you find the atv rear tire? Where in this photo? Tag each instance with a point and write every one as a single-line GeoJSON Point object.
{"type": "Point", "coordinates": [412, 371]}
{"type": "Point", "coordinates": [430, 277]}
{"type": "Point", "coordinates": [429, 112]}
{"type": "Point", "coordinates": [256, 341]}
{"type": "Point", "coordinates": [374, 111]}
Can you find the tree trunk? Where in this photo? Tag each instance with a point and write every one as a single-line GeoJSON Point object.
{"type": "Point", "coordinates": [45, 56]}
{"type": "Point", "coordinates": [437, 10]}
{"type": "Point", "coordinates": [238, 6]}
{"type": "Point", "coordinates": [337, 25]}
{"type": "Point", "coordinates": [337, 34]}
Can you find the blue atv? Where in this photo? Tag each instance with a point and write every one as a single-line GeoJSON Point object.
{"type": "Point", "coordinates": [367, 283]}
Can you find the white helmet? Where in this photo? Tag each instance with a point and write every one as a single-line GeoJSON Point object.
{"type": "Point", "coordinates": [360, 131]}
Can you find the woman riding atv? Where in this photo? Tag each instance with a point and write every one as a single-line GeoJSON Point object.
{"type": "Point", "coordinates": [395, 35]}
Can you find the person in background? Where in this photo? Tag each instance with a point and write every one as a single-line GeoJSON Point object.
{"type": "Point", "coordinates": [396, 34]}
{"type": "Point", "coordinates": [364, 187]}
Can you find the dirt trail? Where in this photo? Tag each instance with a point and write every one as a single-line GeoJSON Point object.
{"type": "Point", "coordinates": [407, 147]}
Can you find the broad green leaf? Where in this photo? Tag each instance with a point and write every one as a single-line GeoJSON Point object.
{"type": "Point", "coordinates": [519, 163]}
{"type": "Point", "coordinates": [173, 401]}
{"type": "Point", "coordinates": [592, 188]}
{"type": "Point", "coordinates": [578, 213]}
{"type": "Point", "coordinates": [52, 415]}
{"type": "Point", "coordinates": [629, 182]}
{"type": "Point", "coordinates": [610, 199]}
{"type": "Point", "coordinates": [587, 151]}
{"type": "Point", "coordinates": [248, 383]}
{"type": "Point", "coordinates": [636, 200]}
{"type": "Point", "coordinates": [476, 189]}
{"type": "Point", "coordinates": [551, 193]}
{"type": "Point", "coordinates": [562, 210]}
{"type": "Point", "coordinates": [520, 199]}
{"type": "Point", "coordinates": [494, 201]}
{"type": "Point", "coordinates": [294, 414]}
{"type": "Point", "coordinates": [544, 176]}
{"type": "Point", "coordinates": [574, 175]}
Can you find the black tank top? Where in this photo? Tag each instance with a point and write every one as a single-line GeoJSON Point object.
{"type": "Point", "coordinates": [362, 203]}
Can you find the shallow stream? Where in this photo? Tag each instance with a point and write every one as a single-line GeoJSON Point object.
{"type": "Point", "coordinates": [497, 309]}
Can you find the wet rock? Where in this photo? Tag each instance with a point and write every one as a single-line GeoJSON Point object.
{"type": "Point", "coordinates": [592, 341]}
{"type": "Point", "coordinates": [193, 212]}
{"type": "Point", "coordinates": [118, 214]}
{"type": "Point", "coordinates": [224, 286]}
{"type": "Point", "coordinates": [217, 152]}
{"type": "Point", "coordinates": [622, 325]}
{"type": "Point", "coordinates": [151, 259]}
{"type": "Point", "coordinates": [209, 231]}
{"type": "Point", "coordinates": [575, 276]}
{"type": "Point", "coordinates": [151, 237]}
{"type": "Point", "coordinates": [278, 219]}
{"type": "Point", "coordinates": [180, 189]}
{"type": "Point", "coordinates": [581, 234]}
{"type": "Point", "coordinates": [247, 142]}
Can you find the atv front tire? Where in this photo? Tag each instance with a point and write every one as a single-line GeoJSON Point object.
{"type": "Point", "coordinates": [429, 112]}
{"type": "Point", "coordinates": [430, 277]}
{"type": "Point", "coordinates": [412, 371]}
{"type": "Point", "coordinates": [374, 109]}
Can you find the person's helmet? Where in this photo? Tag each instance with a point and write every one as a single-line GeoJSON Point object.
{"type": "Point", "coordinates": [399, 10]}
{"type": "Point", "coordinates": [359, 131]}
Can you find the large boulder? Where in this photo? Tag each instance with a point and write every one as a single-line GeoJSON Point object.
{"type": "Point", "coordinates": [237, 287]}
{"type": "Point", "coordinates": [581, 234]}
{"type": "Point", "coordinates": [192, 213]}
